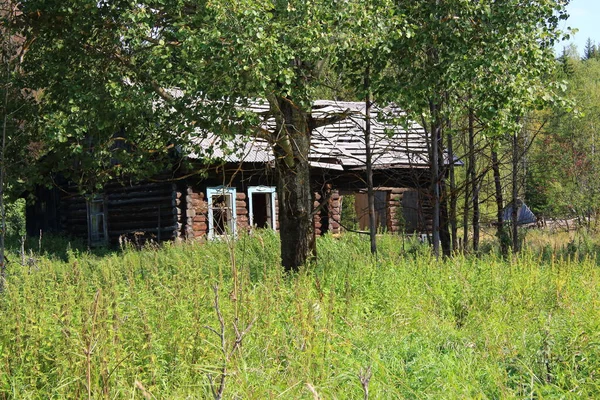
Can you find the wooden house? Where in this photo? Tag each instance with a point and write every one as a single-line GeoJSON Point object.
{"type": "Point", "coordinates": [237, 192]}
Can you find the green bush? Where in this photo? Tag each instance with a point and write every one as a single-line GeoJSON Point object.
{"type": "Point", "coordinates": [15, 218]}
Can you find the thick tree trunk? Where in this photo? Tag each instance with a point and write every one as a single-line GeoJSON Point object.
{"type": "Point", "coordinates": [499, 205]}
{"type": "Point", "coordinates": [369, 166]}
{"type": "Point", "coordinates": [473, 181]}
{"type": "Point", "coordinates": [291, 150]}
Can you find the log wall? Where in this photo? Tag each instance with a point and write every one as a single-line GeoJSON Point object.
{"type": "Point", "coordinates": [151, 208]}
{"type": "Point", "coordinates": [196, 214]}
{"type": "Point", "coordinates": [335, 212]}
{"type": "Point", "coordinates": [327, 219]}
{"type": "Point", "coordinates": [165, 211]}
{"type": "Point", "coordinates": [241, 211]}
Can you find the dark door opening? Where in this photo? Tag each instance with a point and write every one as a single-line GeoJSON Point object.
{"type": "Point", "coordinates": [261, 210]}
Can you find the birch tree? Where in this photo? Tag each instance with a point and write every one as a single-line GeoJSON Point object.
{"type": "Point", "coordinates": [496, 52]}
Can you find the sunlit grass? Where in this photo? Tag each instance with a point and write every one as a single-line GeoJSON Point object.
{"type": "Point", "coordinates": [461, 328]}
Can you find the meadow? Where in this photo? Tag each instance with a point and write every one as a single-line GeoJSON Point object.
{"type": "Point", "coordinates": [221, 320]}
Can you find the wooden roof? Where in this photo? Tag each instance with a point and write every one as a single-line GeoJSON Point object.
{"type": "Point", "coordinates": [395, 141]}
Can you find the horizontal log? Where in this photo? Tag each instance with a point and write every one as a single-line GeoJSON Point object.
{"type": "Point", "coordinates": [144, 211]}
{"type": "Point", "coordinates": [141, 194]}
{"type": "Point", "coordinates": [196, 196]}
{"type": "Point", "coordinates": [82, 213]}
{"type": "Point", "coordinates": [200, 216]}
{"type": "Point", "coordinates": [141, 200]}
{"type": "Point", "coordinates": [199, 203]}
{"type": "Point", "coordinates": [199, 226]}
{"type": "Point", "coordinates": [140, 223]}
{"type": "Point", "coordinates": [168, 230]}
{"type": "Point", "coordinates": [115, 188]}
{"type": "Point", "coordinates": [72, 208]}
{"type": "Point", "coordinates": [76, 221]}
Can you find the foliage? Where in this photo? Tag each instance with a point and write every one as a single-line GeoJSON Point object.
{"type": "Point", "coordinates": [157, 74]}
{"type": "Point", "coordinates": [591, 50]}
{"type": "Point", "coordinates": [491, 57]}
{"type": "Point", "coordinates": [461, 328]}
{"type": "Point", "coordinates": [15, 218]}
{"type": "Point", "coordinates": [563, 177]}
{"type": "Point", "coordinates": [349, 219]}
{"type": "Point", "coordinates": [124, 83]}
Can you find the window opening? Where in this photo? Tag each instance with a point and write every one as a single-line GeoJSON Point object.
{"type": "Point", "coordinates": [261, 207]}
{"type": "Point", "coordinates": [221, 211]}
{"type": "Point", "coordinates": [97, 230]}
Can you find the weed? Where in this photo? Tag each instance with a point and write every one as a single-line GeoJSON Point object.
{"type": "Point", "coordinates": [133, 322]}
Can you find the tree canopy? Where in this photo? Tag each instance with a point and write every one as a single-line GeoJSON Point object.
{"type": "Point", "coordinates": [149, 74]}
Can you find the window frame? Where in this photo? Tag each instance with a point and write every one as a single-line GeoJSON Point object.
{"type": "Point", "coordinates": [262, 189]}
{"type": "Point", "coordinates": [221, 191]}
{"type": "Point", "coordinates": [95, 237]}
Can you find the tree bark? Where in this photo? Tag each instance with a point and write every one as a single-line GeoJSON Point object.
{"type": "Point", "coordinates": [499, 205]}
{"type": "Point", "coordinates": [515, 194]}
{"type": "Point", "coordinates": [291, 148]}
{"type": "Point", "coordinates": [435, 175]}
{"type": "Point", "coordinates": [369, 166]}
{"type": "Point", "coordinates": [473, 181]}
{"type": "Point", "coordinates": [453, 197]}
{"type": "Point", "coordinates": [466, 208]}
{"type": "Point", "coordinates": [2, 179]}
{"type": "Point", "coordinates": [445, 239]}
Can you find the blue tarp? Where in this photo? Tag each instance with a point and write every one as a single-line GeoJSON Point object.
{"type": "Point", "coordinates": [524, 214]}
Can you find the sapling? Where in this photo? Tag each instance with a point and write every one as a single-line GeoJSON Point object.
{"type": "Point", "coordinates": [228, 347]}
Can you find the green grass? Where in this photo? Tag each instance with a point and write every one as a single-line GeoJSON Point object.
{"type": "Point", "coordinates": [528, 327]}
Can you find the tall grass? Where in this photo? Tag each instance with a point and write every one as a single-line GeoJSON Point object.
{"type": "Point", "coordinates": [135, 324]}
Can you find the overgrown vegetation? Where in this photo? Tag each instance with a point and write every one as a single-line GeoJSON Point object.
{"type": "Point", "coordinates": [142, 323]}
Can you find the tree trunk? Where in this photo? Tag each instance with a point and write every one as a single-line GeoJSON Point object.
{"type": "Point", "coordinates": [515, 194]}
{"type": "Point", "coordinates": [453, 196]}
{"type": "Point", "coordinates": [291, 149]}
{"type": "Point", "coordinates": [2, 180]}
{"type": "Point", "coordinates": [499, 205]}
{"type": "Point", "coordinates": [473, 181]}
{"type": "Point", "coordinates": [445, 239]}
{"type": "Point", "coordinates": [369, 166]}
{"type": "Point", "coordinates": [466, 208]}
{"type": "Point", "coordinates": [435, 175]}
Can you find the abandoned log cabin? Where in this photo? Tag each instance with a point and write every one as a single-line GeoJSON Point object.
{"type": "Point", "coordinates": [238, 192]}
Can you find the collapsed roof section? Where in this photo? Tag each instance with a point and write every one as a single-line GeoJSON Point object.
{"type": "Point", "coordinates": [396, 142]}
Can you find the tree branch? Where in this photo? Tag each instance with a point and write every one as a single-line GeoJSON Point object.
{"type": "Point", "coordinates": [315, 123]}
